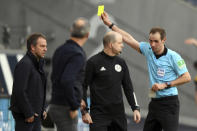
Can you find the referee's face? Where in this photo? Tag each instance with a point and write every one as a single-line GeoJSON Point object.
{"type": "Point", "coordinates": [156, 43]}
{"type": "Point", "coordinates": [118, 45]}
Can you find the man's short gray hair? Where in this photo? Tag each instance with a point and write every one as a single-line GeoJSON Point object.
{"type": "Point", "coordinates": [80, 28]}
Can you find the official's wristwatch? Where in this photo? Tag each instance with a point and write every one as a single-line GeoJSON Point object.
{"type": "Point", "coordinates": [168, 85]}
{"type": "Point", "coordinates": [112, 24]}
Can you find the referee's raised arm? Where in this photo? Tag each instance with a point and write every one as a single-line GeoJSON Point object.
{"type": "Point", "coordinates": [127, 38]}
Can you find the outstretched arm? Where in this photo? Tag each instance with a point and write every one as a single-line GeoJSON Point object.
{"type": "Point", "coordinates": [127, 38]}
{"type": "Point", "coordinates": [191, 41]}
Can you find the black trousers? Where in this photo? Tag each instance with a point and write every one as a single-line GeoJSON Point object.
{"type": "Point", "coordinates": [106, 123]}
{"type": "Point", "coordinates": [21, 125]}
{"type": "Point", "coordinates": [163, 114]}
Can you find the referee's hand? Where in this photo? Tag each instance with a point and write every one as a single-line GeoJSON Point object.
{"type": "Point", "coordinates": [105, 19]}
{"type": "Point", "coordinates": [158, 86]}
{"type": "Point", "coordinates": [82, 105]}
{"type": "Point", "coordinates": [136, 116]}
{"type": "Point", "coordinates": [87, 118]}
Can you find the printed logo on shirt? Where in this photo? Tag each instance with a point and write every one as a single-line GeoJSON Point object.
{"type": "Point", "coordinates": [102, 69]}
{"type": "Point", "coordinates": [160, 72]}
{"type": "Point", "coordinates": [118, 68]}
{"type": "Point", "coordinates": [181, 64]}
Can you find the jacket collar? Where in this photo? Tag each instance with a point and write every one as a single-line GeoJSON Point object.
{"type": "Point", "coordinates": [107, 56]}
{"type": "Point", "coordinates": [73, 42]}
{"type": "Point", "coordinates": [37, 63]}
{"type": "Point", "coordinates": [33, 58]}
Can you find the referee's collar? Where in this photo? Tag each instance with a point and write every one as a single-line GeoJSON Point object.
{"type": "Point", "coordinates": [106, 55]}
{"type": "Point", "coordinates": [162, 54]}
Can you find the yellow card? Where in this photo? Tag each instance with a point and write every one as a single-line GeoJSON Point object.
{"type": "Point", "coordinates": [100, 9]}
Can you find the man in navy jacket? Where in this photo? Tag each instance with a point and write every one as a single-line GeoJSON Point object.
{"type": "Point", "coordinates": [29, 86]}
{"type": "Point", "coordinates": [67, 77]}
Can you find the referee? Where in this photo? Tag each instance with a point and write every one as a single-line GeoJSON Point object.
{"type": "Point", "coordinates": [166, 71]}
{"type": "Point", "coordinates": [105, 74]}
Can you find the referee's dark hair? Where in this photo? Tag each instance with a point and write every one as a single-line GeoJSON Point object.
{"type": "Point", "coordinates": [32, 40]}
{"type": "Point", "coordinates": [160, 30]}
{"type": "Point", "coordinates": [80, 28]}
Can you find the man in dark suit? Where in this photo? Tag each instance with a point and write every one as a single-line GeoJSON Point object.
{"type": "Point", "coordinates": [68, 65]}
{"type": "Point", "coordinates": [29, 86]}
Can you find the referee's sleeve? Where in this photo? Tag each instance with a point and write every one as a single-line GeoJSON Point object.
{"type": "Point", "coordinates": [144, 47]}
{"type": "Point", "coordinates": [179, 64]}
{"type": "Point", "coordinates": [128, 89]}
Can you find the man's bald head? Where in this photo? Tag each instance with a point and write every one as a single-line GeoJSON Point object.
{"type": "Point", "coordinates": [80, 28]}
{"type": "Point", "coordinates": [110, 37]}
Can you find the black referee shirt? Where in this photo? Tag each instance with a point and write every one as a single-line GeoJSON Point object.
{"type": "Point", "coordinates": [105, 75]}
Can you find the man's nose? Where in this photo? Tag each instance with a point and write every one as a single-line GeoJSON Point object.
{"type": "Point", "coordinates": [153, 44]}
{"type": "Point", "coordinates": [45, 49]}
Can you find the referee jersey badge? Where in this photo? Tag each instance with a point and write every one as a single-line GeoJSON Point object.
{"type": "Point", "coordinates": [118, 68]}
{"type": "Point", "coordinates": [181, 64]}
{"type": "Point", "coordinates": [160, 72]}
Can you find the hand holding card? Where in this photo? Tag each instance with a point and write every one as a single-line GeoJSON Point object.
{"type": "Point", "coordinates": [100, 9]}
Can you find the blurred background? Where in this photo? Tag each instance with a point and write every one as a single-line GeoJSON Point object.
{"type": "Point", "coordinates": [19, 18]}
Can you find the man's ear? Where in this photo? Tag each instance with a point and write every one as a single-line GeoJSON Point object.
{"type": "Point", "coordinates": [110, 45]}
{"type": "Point", "coordinates": [32, 47]}
{"type": "Point", "coordinates": [164, 40]}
